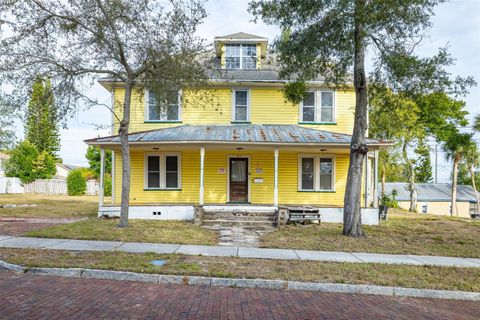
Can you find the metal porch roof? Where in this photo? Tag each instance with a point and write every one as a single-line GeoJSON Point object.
{"type": "Point", "coordinates": [241, 133]}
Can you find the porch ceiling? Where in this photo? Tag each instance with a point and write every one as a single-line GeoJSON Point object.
{"type": "Point", "coordinates": [238, 134]}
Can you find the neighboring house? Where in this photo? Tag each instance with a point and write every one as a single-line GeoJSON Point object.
{"type": "Point", "coordinates": [245, 147]}
{"type": "Point", "coordinates": [435, 198]}
{"type": "Point", "coordinates": [63, 170]}
{"type": "Point", "coordinates": [3, 159]}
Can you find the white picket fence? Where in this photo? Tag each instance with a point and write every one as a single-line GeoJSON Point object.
{"type": "Point", "coordinates": [10, 185]}
{"type": "Point", "coordinates": [47, 186]}
{"type": "Point", "coordinates": [43, 186]}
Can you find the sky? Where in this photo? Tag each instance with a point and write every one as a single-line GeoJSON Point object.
{"type": "Point", "coordinates": [456, 24]}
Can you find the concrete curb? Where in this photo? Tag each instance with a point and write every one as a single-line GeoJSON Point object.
{"type": "Point", "coordinates": [246, 283]}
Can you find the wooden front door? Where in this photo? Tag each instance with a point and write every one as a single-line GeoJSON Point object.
{"type": "Point", "coordinates": [238, 180]}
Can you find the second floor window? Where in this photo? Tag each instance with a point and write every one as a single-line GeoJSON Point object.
{"type": "Point", "coordinates": [318, 106]}
{"type": "Point", "coordinates": [241, 56]}
{"type": "Point", "coordinates": [240, 112]}
{"type": "Point", "coordinates": [163, 109]}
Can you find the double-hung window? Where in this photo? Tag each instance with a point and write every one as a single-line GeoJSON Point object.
{"type": "Point", "coordinates": [318, 107]}
{"type": "Point", "coordinates": [316, 173]}
{"type": "Point", "coordinates": [241, 56]}
{"type": "Point", "coordinates": [162, 171]}
{"type": "Point", "coordinates": [165, 108]}
{"type": "Point", "coordinates": [241, 105]}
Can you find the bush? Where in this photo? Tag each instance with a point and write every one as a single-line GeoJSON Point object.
{"type": "Point", "coordinates": [390, 200]}
{"type": "Point", "coordinates": [76, 182]}
{"type": "Point", "coordinates": [107, 186]}
{"type": "Point", "coordinates": [21, 161]}
{"type": "Point", "coordinates": [44, 166]}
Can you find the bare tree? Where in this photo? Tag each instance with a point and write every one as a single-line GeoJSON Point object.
{"type": "Point", "coordinates": [135, 43]}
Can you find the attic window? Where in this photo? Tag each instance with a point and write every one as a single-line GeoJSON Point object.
{"type": "Point", "coordinates": [241, 56]}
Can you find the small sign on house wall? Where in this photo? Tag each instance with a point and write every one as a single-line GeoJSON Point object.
{"type": "Point", "coordinates": [221, 170]}
{"type": "Point", "coordinates": [258, 180]}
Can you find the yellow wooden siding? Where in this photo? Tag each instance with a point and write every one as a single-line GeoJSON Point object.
{"type": "Point", "coordinates": [288, 182]}
{"type": "Point", "coordinates": [261, 166]}
{"type": "Point", "coordinates": [268, 106]}
{"type": "Point", "coordinates": [189, 192]}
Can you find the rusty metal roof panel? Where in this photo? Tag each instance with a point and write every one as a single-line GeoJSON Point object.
{"type": "Point", "coordinates": [241, 133]}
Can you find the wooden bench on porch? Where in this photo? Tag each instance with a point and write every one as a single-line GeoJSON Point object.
{"type": "Point", "coordinates": [302, 214]}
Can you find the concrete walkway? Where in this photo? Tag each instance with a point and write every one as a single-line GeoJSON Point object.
{"type": "Point", "coordinates": [242, 252]}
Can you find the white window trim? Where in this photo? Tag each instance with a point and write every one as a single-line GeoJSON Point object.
{"type": "Point", "coordinates": [316, 172]}
{"type": "Point", "coordinates": [241, 55]}
{"type": "Point", "coordinates": [163, 170]}
{"type": "Point", "coordinates": [317, 110]}
{"type": "Point", "coordinates": [147, 111]}
{"type": "Point", "coordinates": [234, 104]}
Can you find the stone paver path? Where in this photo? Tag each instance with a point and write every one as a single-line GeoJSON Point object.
{"type": "Point", "coordinates": [24, 296]}
{"type": "Point", "coordinates": [243, 252]}
{"type": "Point", "coordinates": [240, 236]}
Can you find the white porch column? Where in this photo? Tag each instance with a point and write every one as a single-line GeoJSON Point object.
{"type": "Point", "coordinates": [375, 180]}
{"type": "Point", "coordinates": [367, 185]}
{"type": "Point", "coordinates": [113, 177]}
{"type": "Point", "coordinates": [275, 178]}
{"type": "Point", "coordinates": [102, 177]}
{"type": "Point", "coordinates": [202, 164]}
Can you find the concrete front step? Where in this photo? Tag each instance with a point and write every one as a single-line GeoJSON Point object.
{"type": "Point", "coordinates": [227, 222]}
{"type": "Point", "coordinates": [235, 213]}
{"type": "Point", "coordinates": [239, 218]}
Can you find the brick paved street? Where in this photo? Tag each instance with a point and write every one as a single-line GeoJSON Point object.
{"type": "Point", "coordinates": [47, 297]}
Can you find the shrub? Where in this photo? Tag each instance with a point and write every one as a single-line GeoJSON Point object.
{"type": "Point", "coordinates": [21, 162]}
{"type": "Point", "coordinates": [44, 166]}
{"type": "Point", "coordinates": [390, 200]}
{"type": "Point", "coordinates": [76, 182]}
{"type": "Point", "coordinates": [107, 186]}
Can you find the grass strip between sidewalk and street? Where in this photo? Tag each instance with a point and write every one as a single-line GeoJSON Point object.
{"type": "Point", "coordinates": [181, 232]}
{"type": "Point", "coordinates": [422, 277]}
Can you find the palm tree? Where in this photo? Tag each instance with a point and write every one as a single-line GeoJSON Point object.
{"type": "Point", "coordinates": [455, 149]}
{"type": "Point", "coordinates": [472, 161]}
{"type": "Point", "coordinates": [476, 123]}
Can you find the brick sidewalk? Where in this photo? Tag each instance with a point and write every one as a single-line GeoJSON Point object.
{"type": "Point", "coordinates": [46, 297]}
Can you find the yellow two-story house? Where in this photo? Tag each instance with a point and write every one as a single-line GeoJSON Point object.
{"type": "Point", "coordinates": [243, 148]}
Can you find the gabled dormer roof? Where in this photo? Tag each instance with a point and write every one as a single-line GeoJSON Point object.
{"type": "Point", "coordinates": [240, 37]}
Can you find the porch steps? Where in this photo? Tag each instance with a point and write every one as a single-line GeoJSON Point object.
{"type": "Point", "coordinates": [240, 218]}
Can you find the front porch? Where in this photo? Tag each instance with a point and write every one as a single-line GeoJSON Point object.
{"type": "Point", "coordinates": [255, 168]}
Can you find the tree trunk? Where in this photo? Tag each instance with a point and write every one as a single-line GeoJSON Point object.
{"type": "Point", "coordinates": [453, 211]}
{"type": "Point", "coordinates": [411, 183]}
{"type": "Point", "coordinates": [472, 175]}
{"type": "Point", "coordinates": [352, 219]}
{"type": "Point", "coordinates": [123, 133]}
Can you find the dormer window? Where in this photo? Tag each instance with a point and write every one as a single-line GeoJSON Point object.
{"type": "Point", "coordinates": [240, 56]}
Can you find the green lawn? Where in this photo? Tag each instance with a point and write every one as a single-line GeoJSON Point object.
{"type": "Point", "coordinates": [403, 233]}
{"type": "Point", "coordinates": [466, 279]}
{"type": "Point", "coordinates": [137, 231]}
{"type": "Point", "coordinates": [49, 206]}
